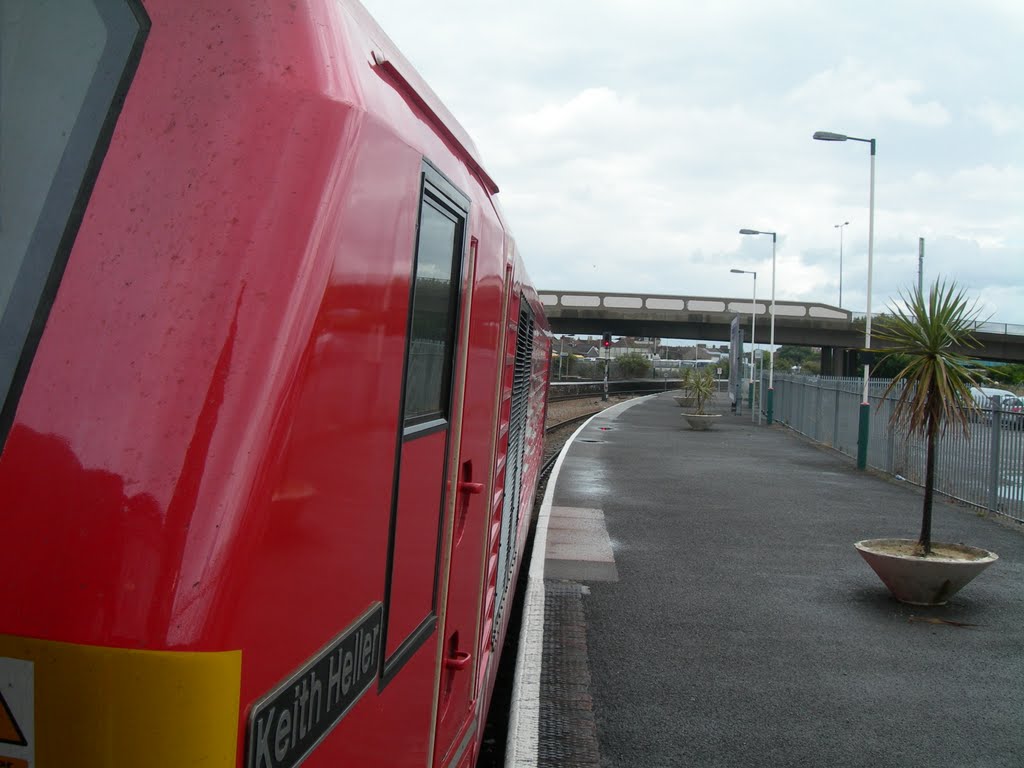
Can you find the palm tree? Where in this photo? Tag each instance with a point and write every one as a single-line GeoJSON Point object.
{"type": "Point", "coordinates": [702, 386]}
{"type": "Point", "coordinates": [937, 378]}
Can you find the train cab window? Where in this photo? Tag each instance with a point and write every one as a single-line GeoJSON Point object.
{"type": "Point", "coordinates": [434, 302]}
{"type": "Point", "coordinates": [64, 67]}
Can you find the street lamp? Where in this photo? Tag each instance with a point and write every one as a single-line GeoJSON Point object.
{"type": "Point", "coordinates": [771, 342]}
{"type": "Point", "coordinates": [840, 228]}
{"type": "Point", "coordinates": [865, 406]}
{"type": "Point", "coordinates": [753, 320]}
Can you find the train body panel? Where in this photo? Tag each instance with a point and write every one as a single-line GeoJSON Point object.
{"type": "Point", "coordinates": [223, 443]}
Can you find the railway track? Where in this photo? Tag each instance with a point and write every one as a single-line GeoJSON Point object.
{"type": "Point", "coordinates": [585, 395]}
{"type": "Point", "coordinates": [565, 391]}
{"type": "Point", "coordinates": [555, 449]}
{"type": "Point", "coordinates": [568, 422]}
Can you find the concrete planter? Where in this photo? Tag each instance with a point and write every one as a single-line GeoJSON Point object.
{"type": "Point", "coordinates": [928, 580]}
{"type": "Point", "coordinates": [701, 421]}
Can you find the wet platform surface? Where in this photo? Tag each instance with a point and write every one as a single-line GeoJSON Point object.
{"type": "Point", "coordinates": [696, 600]}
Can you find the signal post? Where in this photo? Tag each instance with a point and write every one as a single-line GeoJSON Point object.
{"type": "Point", "coordinates": [606, 341]}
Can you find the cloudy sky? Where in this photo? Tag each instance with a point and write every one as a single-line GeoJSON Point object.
{"type": "Point", "coordinates": [632, 139]}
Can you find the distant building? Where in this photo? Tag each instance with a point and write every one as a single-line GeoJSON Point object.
{"type": "Point", "coordinates": [582, 347]}
{"type": "Point", "coordinates": [635, 345]}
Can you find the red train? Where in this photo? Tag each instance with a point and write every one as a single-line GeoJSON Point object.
{"type": "Point", "coordinates": [274, 383]}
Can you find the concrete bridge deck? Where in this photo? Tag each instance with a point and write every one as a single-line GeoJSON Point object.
{"type": "Point", "coordinates": [708, 318]}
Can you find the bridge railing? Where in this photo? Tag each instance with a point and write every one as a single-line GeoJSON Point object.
{"type": "Point", "coordinates": [1003, 329]}
{"type": "Point", "coordinates": [1007, 329]}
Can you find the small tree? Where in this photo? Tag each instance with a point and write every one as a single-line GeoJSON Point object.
{"type": "Point", "coordinates": [702, 387]}
{"type": "Point", "coordinates": [888, 366]}
{"type": "Point", "coordinates": [937, 379]}
{"type": "Point", "coordinates": [1011, 375]}
{"type": "Point", "coordinates": [587, 369]}
{"type": "Point", "coordinates": [686, 380]}
{"type": "Point", "coordinates": [633, 365]}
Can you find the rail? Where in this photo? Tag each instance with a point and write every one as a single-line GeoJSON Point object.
{"type": "Point", "coordinates": [562, 391]}
{"type": "Point", "coordinates": [570, 421]}
{"type": "Point", "coordinates": [549, 462]}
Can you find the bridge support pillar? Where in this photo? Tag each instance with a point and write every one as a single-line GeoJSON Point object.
{"type": "Point", "coordinates": [850, 362]}
{"type": "Point", "coordinates": [834, 361]}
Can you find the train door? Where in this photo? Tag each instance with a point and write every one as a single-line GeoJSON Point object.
{"type": "Point", "coordinates": [421, 484]}
{"type": "Point", "coordinates": [464, 536]}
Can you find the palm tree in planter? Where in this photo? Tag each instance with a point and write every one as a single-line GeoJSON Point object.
{"type": "Point", "coordinates": [935, 395]}
{"type": "Point", "coordinates": [685, 400]}
{"type": "Point", "coordinates": [702, 388]}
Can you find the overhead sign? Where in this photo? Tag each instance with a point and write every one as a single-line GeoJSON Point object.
{"type": "Point", "coordinates": [17, 713]}
{"type": "Point", "coordinates": [288, 723]}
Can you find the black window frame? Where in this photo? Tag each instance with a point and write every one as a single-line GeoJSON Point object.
{"type": "Point", "coordinates": [442, 196]}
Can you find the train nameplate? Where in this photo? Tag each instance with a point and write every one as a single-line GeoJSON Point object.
{"type": "Point", "coordinates": [288, 723]}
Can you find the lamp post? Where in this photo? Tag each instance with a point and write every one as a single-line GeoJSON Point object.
{"type": "Point", "coordinates": [865, 406]}
{"type": "Point", "coordinates": [840, 228]}
{"type": "Point", "coordinates": [771, 341]}
{"type": "Point", "coordinates": [753, 321]}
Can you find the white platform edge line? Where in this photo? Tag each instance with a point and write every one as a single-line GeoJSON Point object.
{"type": "Point", "coordinates": [524, 713]}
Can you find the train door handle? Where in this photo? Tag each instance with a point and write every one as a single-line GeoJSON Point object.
{"type": "Point", "coordinates": [458, 661]}
{"type": "Point", "coordinates": [473, 488]}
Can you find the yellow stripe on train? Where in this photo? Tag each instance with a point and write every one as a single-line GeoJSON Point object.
{"type": "Point", "coordinates": [94, 707]}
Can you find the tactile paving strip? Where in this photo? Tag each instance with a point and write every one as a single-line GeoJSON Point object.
{"type": "Point", "coordinates": [568, 733]}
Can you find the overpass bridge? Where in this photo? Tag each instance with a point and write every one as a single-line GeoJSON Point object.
{"type": "Point", "coordinates": [837, 331]}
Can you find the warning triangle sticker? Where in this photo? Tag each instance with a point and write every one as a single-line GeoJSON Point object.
{"type": "Point", "coordinates": [10, 733]}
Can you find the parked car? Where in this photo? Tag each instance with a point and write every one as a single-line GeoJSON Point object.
{"type": "Point", "coordinates": [1011, 405]}
{"type": "Point", "coordinates": [1013, 411]}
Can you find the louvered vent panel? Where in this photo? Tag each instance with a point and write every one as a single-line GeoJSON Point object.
{"type": "Point", "coordinates": [511, 512]}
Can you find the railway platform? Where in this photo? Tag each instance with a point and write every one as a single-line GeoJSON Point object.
{"type": "Point", "coordinates": [695, 599]}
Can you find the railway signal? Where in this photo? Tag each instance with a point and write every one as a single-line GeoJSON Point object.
{"type": "Point", "coordinates": [606, 340]}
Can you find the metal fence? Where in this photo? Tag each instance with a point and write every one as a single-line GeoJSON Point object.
{"type": "Point", "coordinates": [984, 468]}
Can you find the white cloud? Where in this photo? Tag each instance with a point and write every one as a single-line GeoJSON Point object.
{"type": "Point", "coordinates": [855, 92]}
{"type": "Point", "coordinates": [1001, 119]}
{"type": "Point", "coordinates": [631, 140]}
